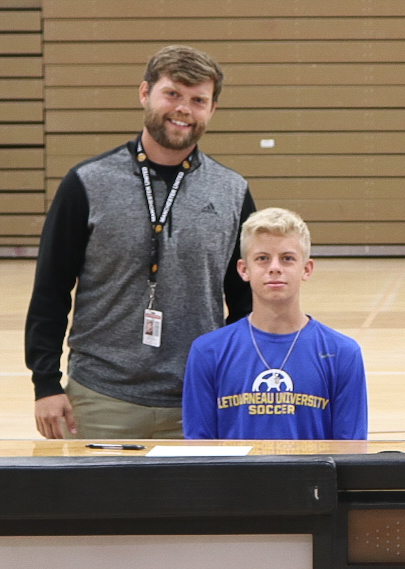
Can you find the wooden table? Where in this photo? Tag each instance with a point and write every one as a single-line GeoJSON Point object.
{"type": "Point", "coordinates": [41, 447]}
{"type": "Point", "coordinates": [290, 504]}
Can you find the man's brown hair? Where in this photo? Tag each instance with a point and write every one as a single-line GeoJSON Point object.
{"type": "Point", "coordinates": [185, 65]}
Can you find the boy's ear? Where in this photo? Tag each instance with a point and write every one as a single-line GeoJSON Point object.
{"type": "Point", "coordinates": [309, 267]}
{"type": "Point", "coordinates": [243, 270]}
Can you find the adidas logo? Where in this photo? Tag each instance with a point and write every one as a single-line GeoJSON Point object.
{"type": "Point", "coordinates": [209, 208]}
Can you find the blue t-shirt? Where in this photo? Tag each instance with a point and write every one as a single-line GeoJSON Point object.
{"type": "Point", "coordinates": [319, 394]}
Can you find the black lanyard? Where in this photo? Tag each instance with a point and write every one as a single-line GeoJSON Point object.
{"type": "Point", "coordinates": [158, 222]}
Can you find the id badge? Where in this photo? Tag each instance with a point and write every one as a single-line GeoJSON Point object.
{"type": "Point", "coordinates": [152, 328]}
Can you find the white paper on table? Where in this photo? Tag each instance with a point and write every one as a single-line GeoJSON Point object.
{"type": "Point", "coordinates": [196, 450]}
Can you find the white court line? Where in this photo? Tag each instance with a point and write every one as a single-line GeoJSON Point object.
{"type": "Point", "coordinates": [28, 374]}
{"type": "Point", "coordinates": [385, 372]}
{"type": "Point", "coordinates": [14, 374]}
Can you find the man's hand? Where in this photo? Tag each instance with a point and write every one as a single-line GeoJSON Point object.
{"type": "Point", "coordinates": [49, 414]}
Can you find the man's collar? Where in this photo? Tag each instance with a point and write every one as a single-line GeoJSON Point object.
{"type": "Point", "coordinates": [133, 144]}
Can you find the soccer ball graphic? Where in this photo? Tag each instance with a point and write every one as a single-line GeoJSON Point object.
{"type": "Point", "coordinates": [273, 378]}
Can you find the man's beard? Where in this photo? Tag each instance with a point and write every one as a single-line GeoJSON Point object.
{"type": "Point", "coordinates": [156, 126]}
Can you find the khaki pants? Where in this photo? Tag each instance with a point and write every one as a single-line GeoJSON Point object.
{"type": "Point", "coordinates": [101, 417]}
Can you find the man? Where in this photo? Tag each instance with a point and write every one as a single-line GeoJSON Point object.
{"type": "Point", "coordinates": [277, 374]}
{"type": "Point", "coordinates": [149, 232]}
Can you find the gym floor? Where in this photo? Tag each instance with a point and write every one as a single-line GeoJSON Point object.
{"type": "Point", "coordinates": [361, 297]}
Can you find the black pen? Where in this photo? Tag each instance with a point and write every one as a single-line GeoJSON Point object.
{"type": "Point", "coordinates": [116, 447]}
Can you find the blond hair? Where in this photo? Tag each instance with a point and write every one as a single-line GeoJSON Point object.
{"type": "Point", "coordinates": [276, 221]}
{"type": "Point", "coordinates": [185, 65]}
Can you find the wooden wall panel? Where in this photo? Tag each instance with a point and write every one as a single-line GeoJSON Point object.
{"type": "Point", "coordinates": [367, 190]}
{"type": "Point", "coordinates": [354, 210]}
{"type": "Point", "coordinates": [21, 89]}
{"type": "Point", "coordinates": [21, 66]}
{"type": "Point", "coordinates": [173, 8]}
{"type": "Point", "coordinates": [310, 166]}
{"type": "Point", "coordinates": [20, 20]}
{"type": "Point", "coordinates": [21, 111]}
{"type": "Point", "coordinates": [21, 180]}
{"type": "Point", "coordinates": [252, 52]}
{"type": "Point", "coordinates": [22, 158]}
{"type": "Point", "coordinates": [355, 233]}
{"type": "Point", "coordinates": [238, 120]}
{"type": "Point", "coordinates": [21, 226]}
{"type": "Point", "coordinates": [25, 4]}
{"type": "Point", "coordinates": [312, 112]}
{"type": "Point", "coordinates": [28, 249]}
{"type": "Point", "coordinates": [309, 120]}
{"type": "Point", "coordinates": [248, 28]}
{"type": "Point", "coordinates": [22, 137]}
{"type": "Point", "coordinates": [236, 143]}
{"type": "Point", "coordinates": [100, 97]}
{"type": "Point", "coordinates": [11, 44]}
{"type": "Point", "coordinates": [324, 76]}
{"type": "Point", "coordinates": [24, 202]}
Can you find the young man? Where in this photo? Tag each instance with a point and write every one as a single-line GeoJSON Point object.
{"type": "Point", "coordinates": [149, 231]}
{"type": "Point", "coordinates": [278, 373]}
